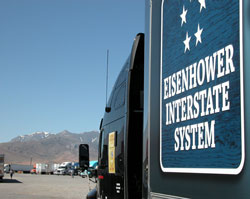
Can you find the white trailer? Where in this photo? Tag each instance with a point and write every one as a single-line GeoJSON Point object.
{"type": "Point", "coordinates": [1, 166]}
{"type": "Point", "coordinates": [41, 168]}
{"type": "Point", "coordinates": [51, 168]}
{"type": "Point", "coordinates": [18, 168]}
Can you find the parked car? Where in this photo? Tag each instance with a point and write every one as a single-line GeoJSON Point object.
{"type": "Point", "coordinates": [84, 174]}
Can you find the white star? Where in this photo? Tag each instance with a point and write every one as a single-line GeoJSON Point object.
{"type": "Point", "coordinates": [203, 4]}
{"type": "Point", "coordinates": [198, 35]}
{"type": "Point", "coordinates": [186, 42]}
{"type": "Point", "coordinates": [183, 16]}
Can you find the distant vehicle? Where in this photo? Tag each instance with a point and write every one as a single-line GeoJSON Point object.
{"type": "Point", "coordinates": [1, 166]}
{"type": "Point", "coordinates": [84, 174]}
{"type": "Point", "coordinates": [56, 166]}
{"type": "Point", "coordinates": [64, 168]}
{"type": "Point", "coordinates": [90, 172]}
{"type": "Point", "coordinates": [93, 165]}
{"type": "Point", "coordinates": [51, 167]}
{"type": "Point", "coordinates": [73, 171]}
{"type": "Point", "coordinates": [41, 168]}
{"type": "Point", "coordinates": [56, 172]}
{"type": "Point", "coordinates": [33, 171]}
{"type": "Point", "coordinates": [18, 168]}
{"type": "Point", "coordinates": [75, 165]}
{"type": "Point", "coordinates": [5, 165]}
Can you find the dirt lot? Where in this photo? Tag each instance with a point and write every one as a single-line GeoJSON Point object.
{"type": "Point", "coordinates": [27, 186]}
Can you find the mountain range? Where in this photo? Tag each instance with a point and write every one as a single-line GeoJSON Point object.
{"type": "Point", "coordinates": [45, 147]}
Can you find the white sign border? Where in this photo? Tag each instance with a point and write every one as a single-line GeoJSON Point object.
{"type": "Point", "coordinates": [232, 171]}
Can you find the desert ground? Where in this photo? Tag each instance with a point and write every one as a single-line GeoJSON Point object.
{"type": "Point", "coordinates": [27, 186]}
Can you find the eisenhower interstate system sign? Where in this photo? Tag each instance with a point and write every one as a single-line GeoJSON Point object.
{"type": "Point", "coordinates": [202, 107]}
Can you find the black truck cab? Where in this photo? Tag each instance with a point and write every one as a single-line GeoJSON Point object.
{"type": "Point", "coordinates": [121, 131]}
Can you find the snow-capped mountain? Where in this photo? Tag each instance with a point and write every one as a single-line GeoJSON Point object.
{"type": "Point", "coordinates": [32, 137]}
{"type": "Point", "coordinates": [47, 147]}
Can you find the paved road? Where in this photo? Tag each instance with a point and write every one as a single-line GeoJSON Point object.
{"type": "Point", "coordinates": [27, 186]}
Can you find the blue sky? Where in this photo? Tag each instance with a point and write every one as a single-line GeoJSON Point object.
{"type": "Point", "coordinates": [53, 61]}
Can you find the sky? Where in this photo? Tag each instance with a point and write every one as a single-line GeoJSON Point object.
{"type": "Point", "coordinates": [53, 61]}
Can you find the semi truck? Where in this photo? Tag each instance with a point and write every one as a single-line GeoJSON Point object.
{"type": "Point", "coordinates": [18, 168]}
{"type": "Point", "coordinates": [64, 168]}
{"type": "Point", "coordinates": [176, 123]}
{"type": "Point", "coordinates": [1, 166]}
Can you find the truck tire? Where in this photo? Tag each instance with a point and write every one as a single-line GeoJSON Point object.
{"type": "Point", "coordinates": [92, 194]}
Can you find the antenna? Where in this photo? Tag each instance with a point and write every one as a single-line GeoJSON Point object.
{"type": "Point", "coordinates": [107, 109]}
{"type": "Point", "coordinates": [107, 78]}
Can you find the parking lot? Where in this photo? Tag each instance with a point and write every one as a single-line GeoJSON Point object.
{"type": "Point", "coordinates": [27, 186]}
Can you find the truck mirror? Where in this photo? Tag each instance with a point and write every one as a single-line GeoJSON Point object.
{"type": "Point", "coordinates": [84, 156]}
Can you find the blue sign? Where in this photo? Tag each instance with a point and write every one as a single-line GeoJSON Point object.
{"type": "Point", "coordinates": [202, 107]}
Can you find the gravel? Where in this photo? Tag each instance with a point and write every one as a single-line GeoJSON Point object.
{"type": "Point", "coordinates": [27, 186]}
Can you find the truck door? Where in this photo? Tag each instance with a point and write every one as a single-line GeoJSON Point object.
{"type": "Point", "coordinates": [135, 119]}
{"type": "Point", "coordinates": [103, 165]}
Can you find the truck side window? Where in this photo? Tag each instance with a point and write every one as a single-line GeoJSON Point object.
{"type": "Point", "coordinates": [119, 96]}
{"type": "Point", "coordinates": [122, 76]}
